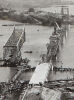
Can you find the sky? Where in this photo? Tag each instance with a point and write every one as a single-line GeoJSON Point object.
{"type": "Point", "coordinates": [30, 3]}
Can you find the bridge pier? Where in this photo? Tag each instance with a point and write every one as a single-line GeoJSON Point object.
{"type": "Point", "coordinates": [53, 58]}
{"type": "Point", "coordinates": [11, 50]}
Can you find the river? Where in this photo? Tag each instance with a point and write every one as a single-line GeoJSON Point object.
{"type": "Point", "coordinates": [36, 39]}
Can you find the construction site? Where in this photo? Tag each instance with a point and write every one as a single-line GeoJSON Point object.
{"type": "Point", "coordinates": [39, 86]}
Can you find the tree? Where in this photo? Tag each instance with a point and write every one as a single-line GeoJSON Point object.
{"type": "Point", "coordinates": [31, 10]}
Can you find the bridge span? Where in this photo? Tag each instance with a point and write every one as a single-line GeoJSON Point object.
{"type": "Point", "coordinates": [11, 50]}
{"type": "Point", "coordinates": [40, 74]}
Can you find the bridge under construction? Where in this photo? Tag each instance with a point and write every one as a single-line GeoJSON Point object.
{"type": "Point", "coordinates": [38, 84]}
{"type": "Point", "coordinates": [11, 50]}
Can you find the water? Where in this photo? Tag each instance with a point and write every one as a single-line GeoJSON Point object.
{"type": "Point", "coordinates": [6, 73]}
{"type": "Point", "coordinates": [65, 57]}
{"type": "Point", "coordinates": [60, 75]}
{"type": "Point", "coordinates": [36, 39]}
{"type": "Point", "coordinates": [67, 52]}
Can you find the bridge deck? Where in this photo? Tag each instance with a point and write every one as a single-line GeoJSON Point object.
{"type": "Point", "coordinates": [11, 49]}
{"type": "Point", "coordinates": [41, 73]}
{"type": "Point", "coordinates": [14, 38]}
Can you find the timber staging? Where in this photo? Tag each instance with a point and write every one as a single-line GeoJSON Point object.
{"type": "Point", "coordinates": [11, 50]}
{"type": "Point", "coordinates": [56, 41]}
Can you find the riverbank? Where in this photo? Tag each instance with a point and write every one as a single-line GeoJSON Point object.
{"type": "Point", "coordinates": [31, 16]}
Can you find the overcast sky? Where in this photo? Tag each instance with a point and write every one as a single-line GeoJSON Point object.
{"type": "Point", "coordinates": [33, 1]}
{"type": "Point", "coordinates": [30, 3]}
